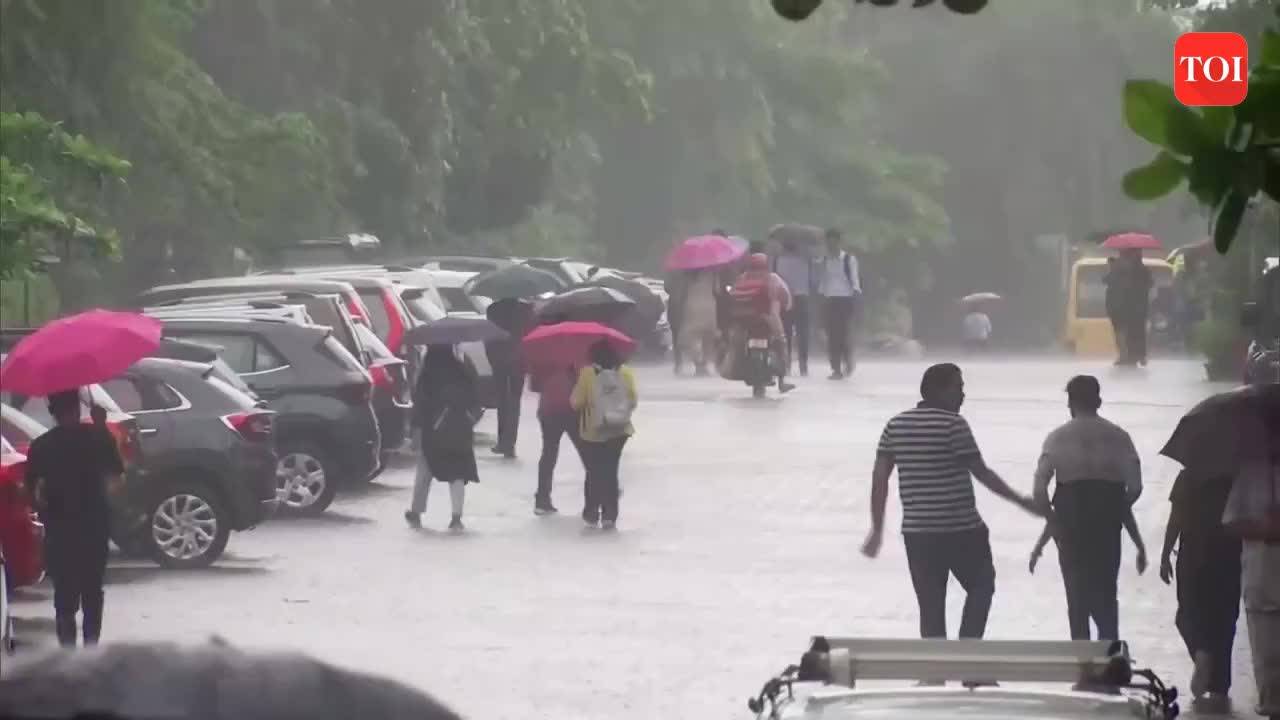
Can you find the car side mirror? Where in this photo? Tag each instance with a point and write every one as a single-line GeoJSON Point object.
{"type": "Point", "coordinates": [1250, 315]}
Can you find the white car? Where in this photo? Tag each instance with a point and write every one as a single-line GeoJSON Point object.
{"type": "Point", "coordinates": [990, 680]}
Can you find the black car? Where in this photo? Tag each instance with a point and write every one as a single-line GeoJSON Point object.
{"type": "Point", "coordinates": [326, 430]}
{"type": "Point", "coordinates": [392, 392]}
{"type": "Point", "coordinates": [210, 458]}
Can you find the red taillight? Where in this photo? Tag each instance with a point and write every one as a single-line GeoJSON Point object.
{"type": "Point", "coordinates": [381, 377]}
{"type": "Point", "coordinates": [356, 393]}
{"type": "Point", "coordinates": [395, 333]}
{"type": "Point", "coordinates": [254, 426]}
{"type": "Point", "coordinates": [357, 309]}
{"type": "Point", "coordinates": [128, 442]}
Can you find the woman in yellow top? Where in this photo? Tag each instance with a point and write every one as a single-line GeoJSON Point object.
{"type": "Point", "coordinates": [605, 398]}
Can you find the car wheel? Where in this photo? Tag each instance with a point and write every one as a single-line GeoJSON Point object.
{"type": "Point", "coordinates": [187, 527]}
{"type": "Point", "coordinates": [306, 481]}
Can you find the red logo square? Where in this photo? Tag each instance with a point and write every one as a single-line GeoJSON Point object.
{"type": "Point", "coordinates": [1210, 69]}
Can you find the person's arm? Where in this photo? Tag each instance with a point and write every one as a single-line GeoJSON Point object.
{"type": "Point", "coordinates": [1172, 530]}
{"type": "Point", "coordinates": [633, 394]}
{"type": "Point", "coordinates": [1131, 466]}
{"type": "Point", "coordinates": [578, 398]}
{"type": "Point", "coordinates": [879, 498]}
{"type": "Point", "coordinates": [966, 450]}
{"type": "Point", "coordinates": [1131, 525]}
{"type": "Point", "coordinates": [1044, 474]}
{"type": "Point", "coordinates": [1038, 549]}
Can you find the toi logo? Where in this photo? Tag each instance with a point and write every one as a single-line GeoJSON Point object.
{"type": "Point", "coordinates": [1210, 69]}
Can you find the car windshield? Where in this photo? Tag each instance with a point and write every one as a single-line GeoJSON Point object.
{"type": "Point", "coordinates": [423, 309]}
{"type": "Point", "coordinates": [456, 300]}
{"type": "Point", "coordinates": [372, 299]}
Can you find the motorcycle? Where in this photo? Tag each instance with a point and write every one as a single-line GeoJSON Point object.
{"type": "Point", "coordinates": [758, 364]}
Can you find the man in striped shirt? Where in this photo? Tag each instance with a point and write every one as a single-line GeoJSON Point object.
{"type": "Point", "coordinates": [937, 458]}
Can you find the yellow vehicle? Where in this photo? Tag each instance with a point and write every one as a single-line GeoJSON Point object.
{"type": "Point", "coordinates": [1088, 329]}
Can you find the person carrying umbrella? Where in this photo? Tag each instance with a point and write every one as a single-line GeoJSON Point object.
{"type": "Point", "coordinates": [796, 267]}
{"type": "Point", "coordinates": [71, 470]}
{"type": "Point", "coordinates": [514, 316]}
{"type": "Point", "coordinates": [1134, 304]}
{"type": "Point", "coordinates": [446, 404]}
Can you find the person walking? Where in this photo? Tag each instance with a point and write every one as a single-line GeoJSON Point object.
{"type": "Point", "coordinates": [676, 285]}
{"type": "Point", "coordinates": [1135, 304]}
{"type": "Point", "coordinates": [1208, 583]}
{"type": "Point", "coordinates": [797, 269]}
{"type": "Point", "coordinates": [937, 458]}
{"type": "Point", "coordinates": [977, 329]}
{"type": "Point", "coordinates": [1098, 477]}
{"type": "Point", "coordinates": [1115, 312]}
{"type": "Point", "coordinates": [71, 470]}
{"type": "Point", "coordinates": [699, 323]}
{"type": "Point", "coordinates": [447, 406]}
{"type": "Point", "coordinates": [514, 316]}
{"type": "Point", "coordinates": [605, 397]}
{"type": "Point", "coordinates": [841, 290]}
{"type": "Point", "coordinates": [557, 418]}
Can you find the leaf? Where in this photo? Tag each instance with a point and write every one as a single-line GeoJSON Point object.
{"type": "Point", "coordinates": [1217, 122]}
{"type": "Point", "coordinates": [1155, 179]}
{"type": "Point", "coordinates": [1226, 222]}
{"type": "Point", "coordinates": [1270, 48]}
{"type": "Point", "coordinates": [1146, 108]}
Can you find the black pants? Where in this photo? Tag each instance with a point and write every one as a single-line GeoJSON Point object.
{"type": "Point", "coordinates": [554, 427]}
{"type": "Point", "coordinates": [1209, 606]}
{"type": "Point", "coordinates": [601, 490]}
{"type": "Point", "coordinates": [1121, 334]}
{"type": "Point", "coordinates": [78, 573]}
{"type": "Point", "coordinates": [838, 318]}
{"type": "Point", "coordinates": [795, 324]}
{"type": "Point", "coordinates": [933, 558]}
{"type": "Point", "coordinates": [510, 389]}
{"type": "Point", "coordinates": [1136, 336]}
{"type": "Point", "coordinates": [1088, 522]}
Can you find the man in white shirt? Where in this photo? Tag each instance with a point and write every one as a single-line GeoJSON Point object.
{"type": "Point", "coordinates": [841, 290]}
{"type": "Point", "coordinates": [1098, 476]}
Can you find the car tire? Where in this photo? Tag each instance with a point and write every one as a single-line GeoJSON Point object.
{"type": "Point", "coordinates": [306, 479]}
{"type": "Point", "coordinates": [187, 526]}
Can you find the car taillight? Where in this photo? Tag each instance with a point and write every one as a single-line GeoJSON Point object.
{"type": "Point", "coordinates": [381, 377]}
{"type": "Point", "coordinates": [357, 310]}
{"type": "Point", "coordinates": [128, 441]}
{"type": "Point", "coordinates": [254, 426]}
{"type": "Point", "coordinates": [356, 393]}
{"type": "Point", "coordinates": [395, 332]}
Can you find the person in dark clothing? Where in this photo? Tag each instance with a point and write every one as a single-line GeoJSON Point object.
{"type": "Point", "coordinates": [514, 316]}
{"type": "Point", "coordinates": [796, 267]}
{"type": "Point", "coordinates": [1135, 300]}
{"type": "Point", "coordinates": [1208, 575]}
{"type": "Point", "coordinates": [676, 286]}
{"type": "Point", "coordinates": [447, 406]}
{"type": "Point", "coordinates": [1115, 313]}
{"type": "Point", "coordinates": [71, 469]}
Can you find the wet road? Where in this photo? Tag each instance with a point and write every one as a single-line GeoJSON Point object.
{"type": "Point", "coordinates": [739, 538]}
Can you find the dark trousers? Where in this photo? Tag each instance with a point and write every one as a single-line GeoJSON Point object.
{"type": "Point", "coordinates": [933, 558]}
{"type": "Point", "coordinates": [1135, 326]}
{"type": "Point", "coordinates": [601, 490]}
{"type": "Point", "coordinates": [510, 389]}
{"type": "Point", "coordinates": [78, 574]}
{"type": "Point", "coordinates": [838, 319]}
{"type": "Point", "coordinates": [1121, 334]}
{"type": "Point", "coordinates": [554, 427]}
{"type": "Point", "coordinates": [1088, 518]}
{"type": "Point", "coordinates": [795, 324]}
{"type": "Point", "coordinates": [1209, 606]}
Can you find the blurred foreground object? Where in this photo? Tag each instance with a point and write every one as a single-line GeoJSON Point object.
{"type": "Point", "coordinates": [208, 682]}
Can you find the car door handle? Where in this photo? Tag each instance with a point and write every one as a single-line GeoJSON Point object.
{"type": "Point", "coordinates": [148, 431]}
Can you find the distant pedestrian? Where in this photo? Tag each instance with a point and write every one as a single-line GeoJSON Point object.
{"type": "Point", "coordinates": [71, 470]}
{"type": "Point", "coordinates": [606, 397]}
{"type": "Point", "coordinates": [557, 418]}
{"type": "Point", "coordinates": [1134, 282]}
{"type": "Point", "coordinates": [515, 317]}
{"type": "Point", "coordinates": [841, 290]}
{"type": "Point", "coordinates": [977, 329]}
{"type": "Point", "coordinates": [699, 322]}
{"type": "Point", "coordinates": [797, 269]}
{"type": "Point", "coordinates": [1098, 477]}
{"type": "Point", "coordinates": [447, 406]}
{"type": "Point", "coordinates": [1115, 313]}
{"type": "Point", "coordinates": [676, 285]}
{"type": "Point", "coordinates": [937, 458]}
{"type": "Point", "coordinates": [1208, 574]}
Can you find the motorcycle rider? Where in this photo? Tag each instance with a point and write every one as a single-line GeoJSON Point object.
{"type": "Point", "coordinates": [760, 297]}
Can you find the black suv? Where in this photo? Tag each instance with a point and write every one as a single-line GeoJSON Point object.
{"type": "Point", "coordinates": [326, 430]}
{"type": "Point", "coordinates": [211, 461]}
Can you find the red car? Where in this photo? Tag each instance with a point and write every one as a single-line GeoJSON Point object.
{"type": "Point", "coordinates": [21, 534]}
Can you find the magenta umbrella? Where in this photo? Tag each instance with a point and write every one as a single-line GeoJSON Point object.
{"type": "Point", "coordinates": [567, 344]}
{"type": "Point", "coordinates": [1132, 241]}
{"type": "Point", "coordinates": [82, 349]}
{"type": "Point", "coordinates": [705, 251]}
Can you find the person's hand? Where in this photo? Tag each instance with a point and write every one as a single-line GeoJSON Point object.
{"type": "Point", "coordinates": [871, 548]}
{"type": "Point", "coordinates": [1035, 560]}
{"type": "Point", "coordinates": [1166, 569]}
{"type": "Point", "coordinates": [98, 414]}
{"type": "Point", "coordinates": [1028, 503]}
{"type": "Point", "coordinates": [1142, 560]}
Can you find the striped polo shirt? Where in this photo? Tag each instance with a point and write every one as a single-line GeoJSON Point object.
{"type": "Point", "coordinates": [931, 449]}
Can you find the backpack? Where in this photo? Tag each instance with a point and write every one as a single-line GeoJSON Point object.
{"type": "Point", "coordinates": [610, 403]}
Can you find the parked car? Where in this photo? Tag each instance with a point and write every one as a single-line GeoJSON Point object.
{"type": "Point", "coordinates": [388, 317]}
{"type": "Point", "coordinates": [451, 286]}
{"type": "Point", "coordinates": [326, 431]}
{"type": "Point", "coordinates": [571, 273]}
{"type": "Point", "coordinates": [392, 392]}
{"type": "Point", "coordinates": [210, 456]}
{"type": "Point", "coordinates": [349, 248]}
{"type": "Point", "coordinates": [21, 533]}
{"type": "Point", "coordinates": [462, 263]}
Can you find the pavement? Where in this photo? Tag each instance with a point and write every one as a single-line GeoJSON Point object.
{"type": "Point", "coordinates": [738, 539]}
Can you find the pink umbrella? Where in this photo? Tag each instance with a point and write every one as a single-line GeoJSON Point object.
{"type": "Point", "coordinates": [705, 251]}
{"type": "Point", "coordinates": [567, 344]}
{"type": "Point", "coordinates": [78, 350]}
{"type": "Point", "coordinates": [1132, 241]}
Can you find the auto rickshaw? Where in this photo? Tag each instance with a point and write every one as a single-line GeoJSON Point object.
{"type": "Point", "coordinates": [1087, 330]}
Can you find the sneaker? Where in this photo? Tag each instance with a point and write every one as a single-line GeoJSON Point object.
{"type": "Point", "coordinates": [456, 524]}
{"type": "Point", "coordinates": [836, 376]}
{"type": "Point", "coordinates": [544, 508]}
{"type": "Point", "coordinates": [1200, 675]}
{"type": "Point", "coordinates": [785, 388]}
{"type": "Point", "coordinates": [1212, 704]}
{"type": "Point", "coordinates": [609, 525]}
{"type": "Point", "coordinates": [414, 519]}
{"type": "Point", "coordinates": [509, 454]}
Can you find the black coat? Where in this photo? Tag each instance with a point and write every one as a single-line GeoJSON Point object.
{"type": "Point", "coordinates": [446, 401]}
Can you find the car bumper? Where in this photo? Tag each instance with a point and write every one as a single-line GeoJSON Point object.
{"type": "Point", "coordinates": [252, 488]}
{"type": "Point", "coordinates": [358, 446]}
{"type": "Point", "coordinates": [393, 423]}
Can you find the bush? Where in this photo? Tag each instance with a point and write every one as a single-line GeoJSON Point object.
{"type": "Point", "coordinates": [1222, 342]}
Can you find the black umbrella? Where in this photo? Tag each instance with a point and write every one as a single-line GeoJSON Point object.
{"type": "Point", "coordinates": [1217, 436]}
{"type": "Point", "coordinates": [586, 304]}
{"type": "Point", "coordinates": [454, 330]}
{"type": "Point", "coordinates": [210, 682]}
{"type": "Point", "coordinates": [514, 281]}
{"type": "Point", "coordinates": [649, 305]}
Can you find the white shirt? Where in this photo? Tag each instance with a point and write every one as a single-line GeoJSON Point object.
{"type": "Point", "coordinates": [833, 281]}
{"type": "Point", "coordinates": [1089, 447]}
{"type": "Point", "coordinates": [977, 326]}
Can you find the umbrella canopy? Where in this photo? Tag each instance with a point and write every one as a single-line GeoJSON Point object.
{"type": "Point", "coordinates": [210, 682]}
{"type": "Point", "coordinates": [1132, 241]}
{"type": "Point", "coordinates": [567, 344]}
{"type": "Point", "coordinates": [83, 349]}
{"type": "Point", "coordinates": [514, 281]}
{"type": "Point", "coordinates": [803, 236]}
{"type": "Point", "coordinates": [649, 305]}
{"type": "Point", "coordinates": [704, 251]}
{"type": "Point", "coordinates": [981, 297]}
{"type": "Point", "coordinates": [454, 330]}
{"type": "Point", "coordinates": [1226, 430]}
{"type": "Point", "coordinates": [587, 304]}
